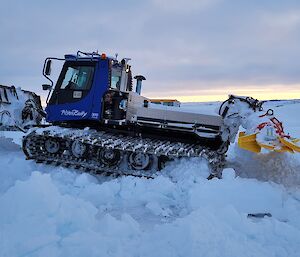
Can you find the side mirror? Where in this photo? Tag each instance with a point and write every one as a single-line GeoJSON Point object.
{"type": "Point", "coordinates": [46, 87]}
{"type": "Point", "coordinates": [48, 68]}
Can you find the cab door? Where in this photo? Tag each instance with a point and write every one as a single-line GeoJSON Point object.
{"type": "Point", "coordinates": [74, 82]}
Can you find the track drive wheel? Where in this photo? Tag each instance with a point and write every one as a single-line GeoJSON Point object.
{"type": "Point", "coordinates": [162, 161]}
{"type": "Point", "coordinates": [223, 148]}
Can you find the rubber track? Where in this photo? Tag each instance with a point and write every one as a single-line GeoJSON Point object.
{"type": "Point", "coordinates": [33, 147]}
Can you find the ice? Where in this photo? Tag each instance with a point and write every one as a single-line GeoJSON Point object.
{"type": "Point", "coordinates": [55, 211]}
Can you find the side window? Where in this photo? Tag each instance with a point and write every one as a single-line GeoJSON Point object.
{"type": "Point", "coordinates": [78, 78]}
{"type": "Point", "coordinates": [115, 79]}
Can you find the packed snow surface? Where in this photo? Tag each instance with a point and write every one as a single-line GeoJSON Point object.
{"type": "Point", "coordinates": [54, 211]}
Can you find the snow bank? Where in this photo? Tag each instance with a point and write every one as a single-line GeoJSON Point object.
{"type": "Point", "coordinates": [10, 140]}
{"type": "Point", "coordinates": [64, 213]}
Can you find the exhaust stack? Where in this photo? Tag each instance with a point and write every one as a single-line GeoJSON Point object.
{"type": "Point", "coordinates": [139, 80]}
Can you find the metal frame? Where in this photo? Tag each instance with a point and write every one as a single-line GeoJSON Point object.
{"type": "Point", "coordinates": [46, 76]}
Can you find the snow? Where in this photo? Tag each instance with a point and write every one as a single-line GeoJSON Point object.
{"type": "Point", "coordinates": [55, 211]}
{"type": "Point", "coordinates": [11, 111]}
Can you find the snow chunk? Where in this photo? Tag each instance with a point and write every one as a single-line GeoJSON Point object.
{"type": "Point", "coordinates": [228, 174]}
{"type": "Point", "coordinates": [34, 214]}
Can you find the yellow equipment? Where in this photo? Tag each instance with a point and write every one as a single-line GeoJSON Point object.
{"type": "Point", "coordinates": [279, 142]}
{"type": "Point", "coordinates": [248, 142]}
{"type": "Point", "coordinates": [291, 143]}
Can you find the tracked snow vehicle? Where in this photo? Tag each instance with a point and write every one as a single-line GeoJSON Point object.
{"type": "Point", "coordinates": [19, 109]}
{"type": "Point", "coordinates": [100, 124]}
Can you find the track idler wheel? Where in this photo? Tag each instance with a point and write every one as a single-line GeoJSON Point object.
{"type": "Point", "coordinates": [109, 157]}
{"type": "Point", "coordinates": [139, 160]}
{"type": "Point", "coordinates": [79, 149]}
{"type": "Point", "coordinates": [29, 147]}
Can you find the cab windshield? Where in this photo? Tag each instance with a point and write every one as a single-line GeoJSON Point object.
{"type": "Point", "coordinates": [76, 77]}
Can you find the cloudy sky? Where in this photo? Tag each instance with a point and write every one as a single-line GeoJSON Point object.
{"type": "Point", "coordinates": [192, 50]}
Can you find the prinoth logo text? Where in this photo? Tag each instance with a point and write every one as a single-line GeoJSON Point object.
{"type": "Point", "coordinates": [74, 113]}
